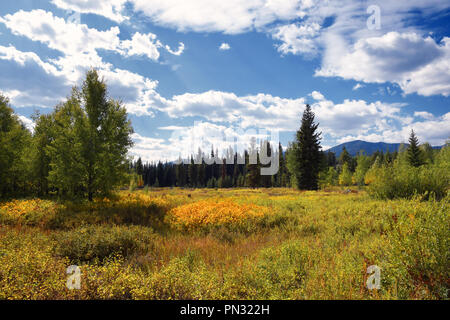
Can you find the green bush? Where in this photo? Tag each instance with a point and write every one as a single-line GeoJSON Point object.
{"type": "Point", "coordinates": [419, 260]}
{"type": "Point", "coordinates": [278, 273]}
{"type": "Point", "coordinates": [401, 180]}
{"type": "Point", "coordinates": [95, 243]}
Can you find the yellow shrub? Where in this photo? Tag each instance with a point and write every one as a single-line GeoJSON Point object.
{"type": "Point", "coordinates": [212, 212]}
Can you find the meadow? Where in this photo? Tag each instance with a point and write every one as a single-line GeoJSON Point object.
{"type": "Point", "coordinates": [226, 244]}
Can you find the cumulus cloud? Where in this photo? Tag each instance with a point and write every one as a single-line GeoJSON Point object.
{"type": "Point", "coordinates": [111, 9]}
{"type": "Point", "coordinates": [424, 114]}
{"type": "Point", "coordinates": [78, 45]}
{"type": "Point", "coordinates": [436, 132]}
{"type": "Point", "coordinates": [416, 64]}
{"type": "Point", "coordinates": [317, 96]}
{"type": "Point", "coordinates": [349, 119]}
{"type": "Point", "coordinates": [262, 109]}
{"type": "Point", "coordinates": [297, 38]}
{"type": "Point", "coordinates": [28, 123]}
{"type": "Point", "coordinates": [26, 75]}
{"type": "Point", "coordinates": [224, 46]}
{"type": "Point", "coordinates": [230, 17]}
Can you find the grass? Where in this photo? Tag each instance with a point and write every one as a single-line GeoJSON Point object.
{"type": "Point", "coordinates": [226, 244]}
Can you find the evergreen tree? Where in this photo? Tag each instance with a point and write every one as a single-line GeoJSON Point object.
{"type": "Point", "coordinates": [415, 156]}
{"type": "Point", "coordinates": [345, 157]}
{"type": "Point", "coordinates": [253, 168]}
{"type": "Point", "coordinates": [139, 167]}
{"type": "Point", "coordinates": [304, 158]}
{"type": "Point", "coordinates": [192, 174]}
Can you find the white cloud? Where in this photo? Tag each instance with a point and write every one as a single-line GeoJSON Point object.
{"type": "Point", "coordinates": [224, 47]}
{"type": "Point", "coordinates": [111, 9]}
{"type": "Point", "coordinates": [28, 123]}
{"type": "Point", "coordinates": [264, 110]}
{"type": "Point", "coordinates": [436, 132]}
{"type": "Point", "coordinates": [350, 117]}
{"type": "Point", "coordinates": [424, 114]}
{"type": "Point", "coordinates": [78, 45]}
{"type": "Point", "coordinates": [78, 40]}
{"type": "Point", "coordinates": [26, 75]}
{"type": "Point", "coordinates": [358, 86]}
{"type": "Point", "coordinates": [416, 64]}
{"type": "Point", "coordinates": [178, 52]}
{"type": "Point", "coordinates": [142, 44]}
{"type": "Point", "coordinates": [297, 38]}
{"type": "Point", "coordinates": [317, 96]}
{"type": "Point", "coordinates": [230, 17]}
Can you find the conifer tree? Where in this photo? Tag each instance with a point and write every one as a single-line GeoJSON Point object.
{"type": "Point", "coordinates": [304, 158]}
{"type": "Point", "coordinates": [415, 156]}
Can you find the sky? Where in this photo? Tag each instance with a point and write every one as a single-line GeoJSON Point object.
{"type": "Point", "coordinates": [211, 70]}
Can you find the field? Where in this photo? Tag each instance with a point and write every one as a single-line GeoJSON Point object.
{"type": "Point", "coordinates": [225, 244]}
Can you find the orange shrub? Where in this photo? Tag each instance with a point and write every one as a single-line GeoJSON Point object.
{"type": "Point", "coordinates": [208, 213]}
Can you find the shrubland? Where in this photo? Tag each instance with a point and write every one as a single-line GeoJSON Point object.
{"type": "Point", "coordinates": [264, 244]}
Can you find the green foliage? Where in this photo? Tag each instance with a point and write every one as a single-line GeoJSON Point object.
{"type": "Point", "coordinates": [278, 273]}
{"type": "Point", "coordinates": [86, 244]}
{"type": "Point", "coordinates": [420, 256]}
{"type": "Point", "coordinates": [345, 178]}
{"type": "Point", "coordinates": [363, 165]}
{"type": "Point", "coordinates": [328, 178]}
{"type": "Point", "coordinates": [15, 147]}
{"type": "Point", "coordinates": [402, 180]}
{"type": "Point", "coordinates": [91, 137]}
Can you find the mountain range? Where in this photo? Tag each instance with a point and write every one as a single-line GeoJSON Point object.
{"type": "Point", "coordinates": [353, 147]}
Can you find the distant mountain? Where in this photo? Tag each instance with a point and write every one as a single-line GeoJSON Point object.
{"type": "Point", "coordinates": [353, 147]}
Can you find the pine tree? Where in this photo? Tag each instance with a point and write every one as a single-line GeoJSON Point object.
{"type": "Point", "coordinates": [415, 156]}
{"type": "Point", "coordinates": [304, 158]}
{"type": "Point", "coordinates": [139, 166]}
{"type": "Point", "coordinates": [192, 173]}
{"type": "Point", "coordinates": [254, 174]}
{"type": "Point", "coordinates": [345, 157]}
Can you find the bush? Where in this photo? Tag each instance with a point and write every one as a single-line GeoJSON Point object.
{"type": "Point", "coordinates": [419, 260]}
{"type": "Point", "coordinates": [278, 273]}
{"type": "Point", "coordinates": [95, 243]}
{"type": "Point", "coordinates": [28, 268]}
{"type": "Point", "coordinates": [401, 180]}
{"type": "Point", "coordinates": [133, 209]}
{"type": "Point", "coordinates": [184, 278]}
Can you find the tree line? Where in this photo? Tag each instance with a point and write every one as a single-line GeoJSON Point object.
{"type": "Point", "coordinates": [81, 150]}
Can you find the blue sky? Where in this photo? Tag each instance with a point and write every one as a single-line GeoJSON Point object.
{"type": "Point", "coordinates": [209, 68]}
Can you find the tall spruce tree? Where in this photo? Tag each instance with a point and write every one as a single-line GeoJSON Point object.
{"type": "Point", "coordinates": [415, 156]}
{"type": "Point", "coordinates": [304, 158]}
